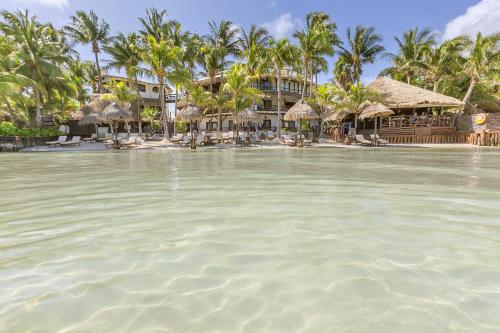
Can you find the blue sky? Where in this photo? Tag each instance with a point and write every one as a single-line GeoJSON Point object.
{"type": "Point", "coordinates": [282, 17]}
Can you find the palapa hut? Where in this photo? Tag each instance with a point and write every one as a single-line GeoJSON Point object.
{"type": "Point", "coordinates": [418, 112]}
{"type": "Point", "coordinates": [301, 110]}
{"type": "Point", "coordinates": [248, 115]}
{"type": "Point", "coordinates": [190, 113]}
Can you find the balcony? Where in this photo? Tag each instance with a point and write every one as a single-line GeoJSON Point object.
{"type": "Point", "coordinates": [274, 88]}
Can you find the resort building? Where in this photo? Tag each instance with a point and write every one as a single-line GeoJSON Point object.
{"type": "Point", "coordinates": [150, 92]}
{"type": "Point", "coordinates": [267, 108]}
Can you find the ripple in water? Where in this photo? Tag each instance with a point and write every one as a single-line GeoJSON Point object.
{"type": "Point", "coordinates": [250, 241]}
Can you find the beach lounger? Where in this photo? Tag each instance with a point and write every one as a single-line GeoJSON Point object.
{"type": "Point", "coordinates": [381, 141]}
{"type": "Point", "coordinates": [58, 142]}
{"type": "Point", "coordinates": [200, 139]}
{"type": "Point", "coordinates": [361, 139]}
{"type": "Point", "coordinates": [177, 138]}
{"type": "Point", "coordinates": [106, 137]}
{"type": "Point", "coordinates": [270, 135]}
{"type": "Point", "coordinates": [288, 140]}
{"type": "Point", "coordinates": [132, 141]}
{"type": "Point", "coordinates": [73, 142]}
{"type": "Point", "coordinates": [185, 141]}
{"type": "Point", "coordinates": [93, 138]}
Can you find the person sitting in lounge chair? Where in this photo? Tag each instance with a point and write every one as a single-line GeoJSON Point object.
{"type": "Point", "coordinates": [361, 139]}
{"type": "Point", "coordinates": [73, 142]}
{"type": "Point", "coordinates": [61, 139]}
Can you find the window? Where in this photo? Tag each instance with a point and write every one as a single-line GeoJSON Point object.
{"type": "Point", "coordinates": [142, 87]}
{"type": "Point", "coordinates": [267, 104]}
{"type": "Point", "coordinates": [267, 124]}
{"type": "Point", "coordinates": [266, 84]}
{"type": "Point", "coordinates": [156, 90]}
{"type": "Point", "coordinates": [231, 125]}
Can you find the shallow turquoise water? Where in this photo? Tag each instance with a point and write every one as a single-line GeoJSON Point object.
{"type": "Point", "coordinates": [271, 240]}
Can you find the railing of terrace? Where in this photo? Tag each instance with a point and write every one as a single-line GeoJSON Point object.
{"type": "Point", "coordinates": [402, 121]}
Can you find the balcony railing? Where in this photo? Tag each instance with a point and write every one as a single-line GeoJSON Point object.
{"type": "Point", "coordinates": [274, 88]}
{"type": "Point", "coordinates": [407, 121]}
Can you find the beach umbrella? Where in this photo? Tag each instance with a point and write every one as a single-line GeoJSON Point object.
{"type": "Point", "coordinates": [114, 113]}
{"type": "Point", "coordinates": [301, 110]}
{"type": "Point", "coordinates": [191, 113]}
{"type": "Point", "coordinates": [247, 115]}
{"type": "Point", "coordinates": [375, 110]}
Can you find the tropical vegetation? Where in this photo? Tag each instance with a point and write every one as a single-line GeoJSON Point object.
{"type": "Point", "coordinates": [41, 75]}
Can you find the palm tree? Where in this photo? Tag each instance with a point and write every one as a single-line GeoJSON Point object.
{"type": "Point", "coordinates": [281, 55]}
{"type": "Point", "coordinates": [325, 96]}
{"type": "Point", "coordinates": [224, 37]}
{"type": "Point", "coordinates": [163, 58]}
{"type": "Point", "coordinates": [342, 72]}
{"type": "Point", "coordinates": [78, 77]}
{"type": "Point", "coordinates": [218, 102]}
{"type": "Point", "coordinates": [238, 85]}
{"type": "Point", "coordinates": [126, 53]}
{"type": "Point", "coordinates": [153, 24]}
{"type": "Point", "coordinates": [483, 60]}
{"type": "Point", "coordinates": [86, 28]}
{"type": "Point", "coordinates": [355, 99]}
{"type": "Point", "coordinates": [443, 60]}
{"type": "Point", "coordinates": [39, 57]}
{"type": "Point", "coordinates": [410, 57]}
{"type": "Point", "coordinates": [252, 49]}
{"type": "Point", "coordinates": [362, 48]}
{"type": "Point", "coordinates": [316, 42]}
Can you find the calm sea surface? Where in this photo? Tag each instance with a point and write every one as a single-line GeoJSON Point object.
{"type": "Point", "coordinates": [270, 240]}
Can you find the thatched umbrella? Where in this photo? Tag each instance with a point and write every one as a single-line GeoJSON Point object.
{"type": "Point", "coordinates": [375, 110]}
{"type": "Point", "coordinates": [301, 110]}
{"type": "Point", "coordinates": [248, 114]}
{"type": "Point", "coordinates": [190, 113]}
{"type": "Point", "coordinates": [114, 113]}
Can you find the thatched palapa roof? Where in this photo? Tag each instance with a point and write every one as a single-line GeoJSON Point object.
{"type": "Point", "coordinates": [301, 110]}
{"type": "Point", "coordinates": [399, 95]}
{"type": "Point", "coordinates": [114, 112]}
{"type": "Point", "coordinates": [375, 110]}
{"type": "Point", "coordinates": [248, 115]}
{"type": "Point", "coordinates": [190, 112]}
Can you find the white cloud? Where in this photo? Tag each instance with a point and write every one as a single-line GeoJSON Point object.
{"type": "Point", "coordinates": [483, 17]}
{"type": "Point", "coordinates": [49, 3]}
{"type": "Point", "coordinates": [283, 26]}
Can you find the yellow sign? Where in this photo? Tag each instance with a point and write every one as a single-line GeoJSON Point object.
{"type": "Point", "coordinates": [480, 119]}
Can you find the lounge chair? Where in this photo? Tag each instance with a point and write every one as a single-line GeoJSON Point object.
{"type": "Point", "coordinates": [132, 140]}
{"type": "Point", "coordinates": [214, 137]}
{"type": "Point", "coordinates": [228, 137]}
{"type": "Point", "coordinates": [306, 142]}
{"type": "Point", "coordinates": [200, 139]}
{"type": "Point", "coordinates": [177, 138]}
{"type": "Point", "coordinates": [381, 141]}
{"type": "Point", "coordinates": [60, 140]}
{"type": "Point", "coordinates": [106, 137]}
{"type": "Point", "coordinates": [185, 141]}
{"type": "Point", "coordinates": [288, 140]}
{"type": "Point", "coordinates": [93, 138]}
{"type": "Point", "coordinates": [361, 139]}
{"type": "Point", "coordinates": [270, 135]}
{"type": "Point", "coordinates": [73, 142]}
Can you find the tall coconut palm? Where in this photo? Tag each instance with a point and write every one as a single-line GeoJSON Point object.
{"type": "Point", "coordinates": [342, 72]}
{"type": "Point", "coordinates": [410, 57]}
{"type": "Point", "coordinates": [86, 28]}
{"type": "Point", "coordinates": [162, 57]}
{"type": "Point", "coordinates": [252, 49]}
{"type": "Point", "coordinates": [39, 57]}
{"type": "Point", "coordinates": [153, 24]}
{"type": "Point", "coordinates": [443, 60]}
{"type": "Point", "coordinates": [281, 55]}
{"type": "Point", "coordinates": [315, 42]}
{"type": "Point", "coordinates": [483, 60]}
{"type": "Point", "coordinates": [126, 53]}
{"type": "Point", "coordinates": [238, 85]}
{"type": "Point", "coordinates": [224, 36]}
{"type": "Point", "coordinates": [363, 47]}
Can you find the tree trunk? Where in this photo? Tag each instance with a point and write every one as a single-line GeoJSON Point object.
{"type": "Point", "coordinates": [279, 102]}
{"type": "Point", "coordinates": [163, 109]}
{"type": "Point", "coordinates": [139, 100]}
{"type": "Point", "coordinates": [355, 123]}
{"type": "Point", "coordinates": [305, 80]}
{"type": "Point", "coordinates": [473, 83]}
{"type": "Point", "coordinates": [99, 74]}
{"type": "Point", "coordinates": [236, 119]}
{"type": "Point", "coordinates": [311, 83]}
{"type": "Point", "coordinates": [175, 110]}
{"type": "Point", "coordinates": [38, 115]}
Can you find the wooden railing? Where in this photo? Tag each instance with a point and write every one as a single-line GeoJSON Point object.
{"type": "Point", "coordinates": [405, 121]}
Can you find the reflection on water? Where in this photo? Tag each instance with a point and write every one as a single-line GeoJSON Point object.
{"type": "Point", "coordinates": [250, 241]}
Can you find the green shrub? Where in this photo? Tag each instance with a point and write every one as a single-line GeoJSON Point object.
{"type": "Point", "coordinates": [9, 129]}
{"type": "Point", "coordinates": [180, 126]}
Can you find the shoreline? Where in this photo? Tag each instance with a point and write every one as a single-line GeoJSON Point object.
{"type": "Point", "coordinates": [161, 145]}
